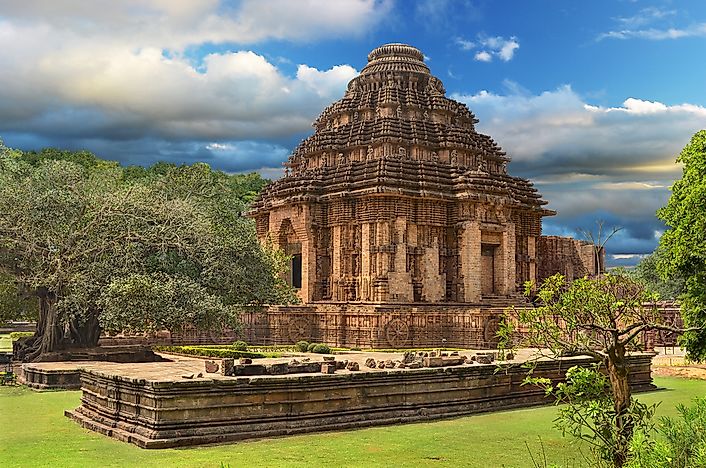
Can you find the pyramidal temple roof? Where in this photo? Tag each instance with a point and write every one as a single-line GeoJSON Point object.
{"type": "Point", "coordinates": [395, 131]}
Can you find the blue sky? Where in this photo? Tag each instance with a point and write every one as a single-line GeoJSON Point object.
{"type": "Point", "coordinates": [592, 100]}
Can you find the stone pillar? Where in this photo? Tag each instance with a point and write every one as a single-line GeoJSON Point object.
{"type": "Point", "coordinates": [469, 247]}
{"type": "Point", "coordinates": [505, 262]}
{"type": "Point", "coordinates": [532, 253]}
{"type": "Point", "coordinates": [433, 283]}
{"type": "Point", "coordinates": [400, 280]}
{"type": "Point", "coordinates": [365, 281]}
{"type": "Point", "coordinates": [336, 263]}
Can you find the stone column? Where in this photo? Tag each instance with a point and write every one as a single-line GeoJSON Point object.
{"type": "Point", "coordinates": [365, 284]}
{"type": "Point", "coordinates": [336, 263]}
{"type": "Point", "coordinates": [400, 280]}
{"type": "Point", "coordinates": [433, 283]}
{"type": "Point", "coordinates": [505, 261]}
{"type": "Point", "coordinates": [308, 269]}
{"type": "Point", "coordinates": [532, 253]}
{"type": "Point", "coordinates": [469, 247]}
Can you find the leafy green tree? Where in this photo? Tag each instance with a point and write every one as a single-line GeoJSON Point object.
{"type": "Point", "coordinates": [684, 242]}
{"type": "Point", "coordinates": [604, 318]}
{"type": "Point", "coordinates": [14, 304]}
{"type": "Point", "coordinates": [104, 251]}
{"type": "Point", "coordinates": [646, 272]}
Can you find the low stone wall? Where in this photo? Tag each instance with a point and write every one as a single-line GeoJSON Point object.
{"type": "Point", "coordinates": [160, 414]}
{"type": "Point", "coordinates": [49, 379]}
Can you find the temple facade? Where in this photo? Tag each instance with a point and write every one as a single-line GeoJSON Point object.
{"type": "Point", "coordinates": [396, 198]}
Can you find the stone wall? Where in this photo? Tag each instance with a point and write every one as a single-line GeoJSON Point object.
{"type": "Point", "coordinates": [369, 326]}
{"type": "Point", "coordinates": [571, 257]}
{"type": "Point", "coordinates": [160, 414]}
{"type": "Point", "coordinates": [351, 326]}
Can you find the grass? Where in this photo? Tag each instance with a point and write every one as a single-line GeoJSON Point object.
{"type": "Point", "coordinates": [5, 343]}
{"type": "Point", "coordinates": [34, 432]}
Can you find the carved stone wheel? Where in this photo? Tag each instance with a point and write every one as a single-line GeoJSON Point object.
{"type": "Point", "coordinates": [397, 333]}
{"type": "Point", "coordinates": [298, 329]}
{"type": "Point", "coordinates": [490, 329]}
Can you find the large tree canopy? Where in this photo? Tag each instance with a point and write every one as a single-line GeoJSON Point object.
{"type": "Point", "coordinates": [684, 243]}
{"type": "Point", "coordinates": [647, 273]}
{"type": "Point", "coordinates": [104, 247]}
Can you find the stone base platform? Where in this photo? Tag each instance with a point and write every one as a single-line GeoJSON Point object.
{"type": "Point", "coordinates": [155, 407]}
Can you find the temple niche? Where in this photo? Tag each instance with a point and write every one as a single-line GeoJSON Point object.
{"type": "Point", "coordinates": [396, 198]}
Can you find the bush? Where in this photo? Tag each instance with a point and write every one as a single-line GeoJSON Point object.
{"type": "Point", "coordinates": [240, 346]}
{"type": "Point", "coordinates": [302, 346]}
{"type": "Point", "coordinates": [212, 352]}
{"type": "Point", "coordinates": [14, 336]}
{"type": "Point", "coordinates": [683, 444]}
{"type": "Point", "coordinates": [322, 349]}
{"type": "Point", "coordinates": [310, 348]}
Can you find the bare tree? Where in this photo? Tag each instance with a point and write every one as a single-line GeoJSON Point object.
{"type": "Point", "coordinates": [599, 240]}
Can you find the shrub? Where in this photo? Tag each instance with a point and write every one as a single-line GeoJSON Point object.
{"type": "Point", "coordinates": [240, 346]}
{"type": "Point", "coordinates": [14, 336]}
{"type": "Point", "coordinates": [683, 444]}
{"type": "Point", "coordinates": [310, 348]}
{"type": "Point", "coordinates": [213, 352]}
{"type": "Point", "coordinates": [322, 349]}
{"type": "Point", "coordinates": [302, 346]}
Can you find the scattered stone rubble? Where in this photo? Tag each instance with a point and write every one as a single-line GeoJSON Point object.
{"type": "Point", "coordinates": [329, 364]}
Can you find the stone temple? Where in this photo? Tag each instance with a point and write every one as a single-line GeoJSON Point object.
{"type": "Point", "coordinates": [401, 220]}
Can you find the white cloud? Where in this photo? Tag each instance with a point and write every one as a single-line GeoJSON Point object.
{"type": "Point", "coordinates": [640, 133]}
{"type": "Point", "coordinates": [645, 16]}
{"type": "Point", "coordinates": [589, 161]}
{"type": "Point", "coordinates": [656, 34]}
{"type": "Point", "coordinates": [490, 47]}
{"type": "Point", "coordinates": [325, 83]}
{"type": "Point", "coordinates": [507, 50]}
{"type": "Point", "coordinates": [60, 82]}
{"type": "Point", "coordinates": [483, 56]}
{"type": "Point", "coordinates": [175, 24]}
{"type": "Point", "coordinates": [465, 44]}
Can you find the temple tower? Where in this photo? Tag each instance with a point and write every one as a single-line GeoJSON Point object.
{"type": "Point", "coordinates": [396, 198]}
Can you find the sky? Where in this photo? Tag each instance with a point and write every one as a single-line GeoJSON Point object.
{"type": "Point", "coordinates": [592, 100]}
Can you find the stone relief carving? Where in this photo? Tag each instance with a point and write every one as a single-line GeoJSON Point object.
{"type": "Point", "coordinates": [299, 329]}
{"type": "Point", "coordinates": [397, 333]}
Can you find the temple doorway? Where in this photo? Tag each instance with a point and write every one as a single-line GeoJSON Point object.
{"type": "Point", "coordinates": [487, 268]}
{"type": "Point", "coordinates": [290, 244]}
{"type": "Point", "coordinates": [296, 269]}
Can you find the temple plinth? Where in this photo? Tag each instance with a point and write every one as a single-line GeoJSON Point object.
{"type": "Point", "coordinates": [397, 198]}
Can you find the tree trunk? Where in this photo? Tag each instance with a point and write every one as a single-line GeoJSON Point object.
{"type": "Point", "coordinates": [85, 334]}
{"type": "Point", "coordinates": [624, 424]}
{"type": "Point", "coordinates": [49, 334]}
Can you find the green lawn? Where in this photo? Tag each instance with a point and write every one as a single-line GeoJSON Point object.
{"type": "Point", "coordinates": [34, 432]}
{"type": "Point", "coordinates": [5, 343]}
